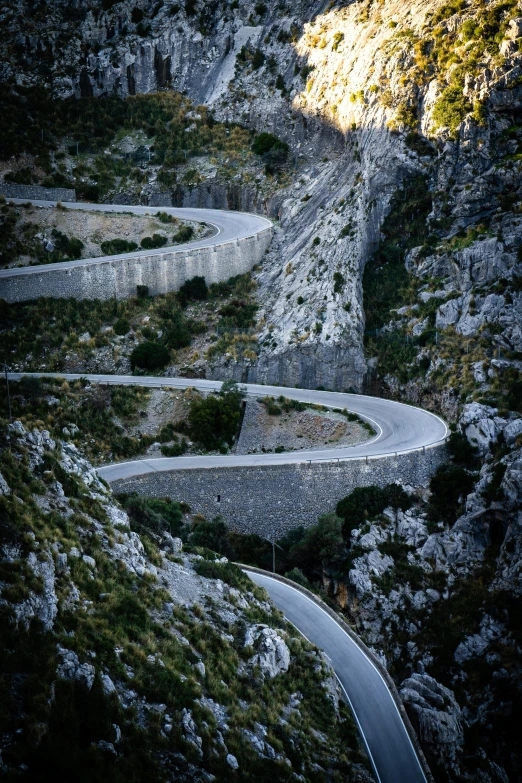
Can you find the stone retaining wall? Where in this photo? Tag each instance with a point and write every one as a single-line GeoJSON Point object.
{"type": "Point", "coordinates": [271, 499]}
{"type": "Point", "coordinates": [36, 192]}
{"type": "Point", "coordinates": [118, 277]}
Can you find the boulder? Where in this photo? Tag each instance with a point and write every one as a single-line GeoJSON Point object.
{"type": "Point", "coordinates": [481, 425]}
{"type": "Point", "coordinates": [5, 489]}
{"type": "Point", "coordinates": [71, 669]}
{"type": "Point", "coordinates": [190, 730]}
{"type": "Point", "coordinates": [171, 544]}
{"type": "Point", "coordinates": [232, 761]}
{"type": "Point", "coordinates": [512, 431]}
{"type": "Point", "coordinates": [272, 654]}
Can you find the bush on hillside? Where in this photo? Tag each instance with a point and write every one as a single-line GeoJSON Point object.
{"type": "Point", "coordinates": [112, 247]}
{"type": "Point", "coordinates": [449, 487]}
{"type": "Point", "coordinates": [296, 575]}
{"type": "Point", "coordinates": [214, 420]}
{"type": "Point", "coordinates": [153, 242]}
{"type": "Point", "coordinates": [121, 327]}
{"type": "Point", "coordinates": [264, 142]}
{"type": "Point", "coordinates": [156, 515]}
{"type": "Point", "coordinates": [238, 314]}
{"type": "Point", "coordinates": [193, 289]}
{"type": "Point", "coordinates": [365, 503]}
{"type": "Point", "coordinates": [176, 328]}
{"type": "Point", "coordinates": [184, 234]}
{"type": "Point", "coordinates": [462, 451]}
{"type": "Point", "coordinates": [149, 356]}
{"type": "Point", "coordinates": [210, 534]}
{"type": "Point", "coordinates": [320, 544]}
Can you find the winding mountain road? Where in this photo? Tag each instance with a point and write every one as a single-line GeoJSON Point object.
{"type": "Point", "coordinates": [228, 226]}
{"type": "Point", "coordinates": [387, 741]}
{"type": "Point", "coordinates": [400, 428]}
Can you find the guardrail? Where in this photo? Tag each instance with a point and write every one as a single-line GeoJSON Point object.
{"type": "Point", "coordinates": [394, 454]}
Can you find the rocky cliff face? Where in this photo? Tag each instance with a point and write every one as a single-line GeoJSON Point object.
{"type": "Point", "coordinates": [400, 215]}
{"type": "Point", "coordinates": [348, 87]}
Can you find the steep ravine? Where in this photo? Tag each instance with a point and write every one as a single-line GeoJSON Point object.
{"type": "Point", "coordinates": [399, 215]}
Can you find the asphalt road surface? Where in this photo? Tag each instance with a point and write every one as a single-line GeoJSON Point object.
{"type": "Point", "coordinates": [387, 741]}
{"type": "Point", "coordinates": [227, 226]}
{"type": "Point", "coordinates": [399, 428]}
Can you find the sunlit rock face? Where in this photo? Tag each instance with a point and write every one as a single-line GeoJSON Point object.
{"type": "Point", "coordinates": [343, 87]}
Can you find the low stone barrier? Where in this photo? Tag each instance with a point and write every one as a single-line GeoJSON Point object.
{"type": "Point", "coordinates": [270, 500]}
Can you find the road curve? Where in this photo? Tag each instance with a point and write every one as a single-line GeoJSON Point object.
{"type": "Point", "coordinates": [228, 226]}
{"type": "Point", "coordinates": [400, 428]}
{"type": "Point", "coordinates": [387, 740]}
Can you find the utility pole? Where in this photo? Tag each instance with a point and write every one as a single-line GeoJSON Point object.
{"type": "Point", "coordinates": [273, 556]}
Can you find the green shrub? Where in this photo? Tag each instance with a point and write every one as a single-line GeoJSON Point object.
{"type": "Point", "coordinates": [514, 395]}
{"type": "Point", "coordinates": [451, 108]}
{"type": "Point", "coordinates": [427, 337]}
{"type": "Point", "coordinates": [272, 408]}
{"type": "Point", "coordinates": [122, 326]}
{"type": "Point", "coordinates": [65, 248]}
{"type": "Point", "coordinates": [164, 217]}
{"type": "Point", "coordinates": [238, 314]}
{"type": "Point", "coordinates": [153, 242]}
{"type": "Point", "coordinates": [449, 487]}
{"type": "Point", "coordinates": [23, 176]}
{"type": "Point", "coordinates": [414, 141]}
{"type": "Point", "coordinates": [215, 419]}
{"type": "Point", "coordinates": [149, 356]}
{"type": "Point", "coordinates": [462, 451]}
{"type": "Point", "coordinates": [338, 37]}
{"type": "Point", "coordinates": [320, 544]}
{"type": "Point", "coordinates": [494, 492]}
{"type": "Point", "coordinates": [265, 142]}
{"type": "Point", "coordinates": [176, 328]}
{"type": "Point", "coordinates": [296, 575]}
{"type": "Point", "coordinates": [258, 59]}
{"type": "Point", "coordinates": [184, 234]}
{"type": "Point", "coordinates": [113, 247]}
{"type": "Point", "coordinates": [193, 289]}
{"type": "Point", "coordinates": [176, 450]}
{"type": "Point", "coordinates": [210, 535]}
{"type": "Point", "coordinates": [365, 503]}
{"type": "Point", "coordinates": [227, 572]}
{"type": "Point", "coordinates": [386, 282]}
{"type": "Point", "coordinates": [154, 515]}
{"type": "Point", "coordinates": [339, 281]}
